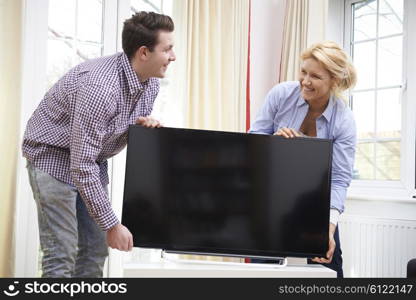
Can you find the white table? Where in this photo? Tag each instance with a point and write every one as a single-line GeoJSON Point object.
{"type": "Point", "coordinates": [168, 268]}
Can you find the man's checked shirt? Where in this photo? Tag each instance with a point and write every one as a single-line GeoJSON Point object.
{"type": "Point", "coordinates": [82, 121]}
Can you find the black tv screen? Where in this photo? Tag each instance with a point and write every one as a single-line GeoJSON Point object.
{"type": "Point", "coordinates": [223, 193]}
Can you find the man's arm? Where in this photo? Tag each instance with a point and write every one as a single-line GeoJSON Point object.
{"type": "Point", "coordinates": [88, 130]}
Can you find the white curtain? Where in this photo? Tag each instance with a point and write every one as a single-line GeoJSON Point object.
{"type": "Point", "coordinates": [212, 49]}
{"type": "Point", "coordinates": [305, 24]}
{"type": "Point", "coordinates": [294, 38]}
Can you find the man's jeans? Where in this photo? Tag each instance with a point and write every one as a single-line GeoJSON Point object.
{"type": "Point", "coordinates": [72, 243]}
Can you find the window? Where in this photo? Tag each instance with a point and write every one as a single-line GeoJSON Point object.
{"type": "Point", "coordinates": [377, 51]}
{"type": "Point", "coordinates": [159, 6]}
{"type": "Point", "coordinates": [57, 35]}
{"type": "Point", "coordinates": [376, 36]}
{"type": "Point", "coordinates": [74, 35]}
{"type": "Point", "coordinates": [377, 33]}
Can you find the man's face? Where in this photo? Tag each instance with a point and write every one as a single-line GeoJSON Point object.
{"type": "Point", "coordinates": [162, 55]}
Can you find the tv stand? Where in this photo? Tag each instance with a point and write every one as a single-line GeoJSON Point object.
{"type": "Point", "coordinates": [166, 268]}
{"type": "Point", "coordinates": [280, 262]}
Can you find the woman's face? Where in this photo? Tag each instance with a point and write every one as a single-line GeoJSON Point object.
{"type": "Point", "coordinates": [315, 81]}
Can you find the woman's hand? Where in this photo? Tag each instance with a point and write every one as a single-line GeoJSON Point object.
{"type": "Point", "coordinates": [331, 247]}
{"type": "Point", "coordinates": [148, 122]}
{"type": "Point", "coordinates": [288, 133]}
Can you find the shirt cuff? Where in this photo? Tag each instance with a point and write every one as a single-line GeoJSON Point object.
{"type": "Point", "coordinates": [107, 220]}
{"type": "Point", "coordinates": [334, 216]}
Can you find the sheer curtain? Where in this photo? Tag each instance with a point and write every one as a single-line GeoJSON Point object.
{"type": "Point", "coordinates": [295, 38]}
{"type": "Point", "coordinates": [304, 25]}
{"type": "Point", "coordinates": [212, 49]}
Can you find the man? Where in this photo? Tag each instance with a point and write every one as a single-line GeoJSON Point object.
{"type": "Point", "coordinates": [80, 123]}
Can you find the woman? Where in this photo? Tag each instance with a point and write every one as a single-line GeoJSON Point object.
{"type": "Point", "coordinates": [314, 107]}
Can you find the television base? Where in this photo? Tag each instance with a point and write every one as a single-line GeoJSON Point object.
{"type": "Point", "coordinates": [281, 262]}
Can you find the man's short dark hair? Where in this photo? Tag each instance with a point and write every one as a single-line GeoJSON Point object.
{"type": "Point", "coordinates": [142, 29]}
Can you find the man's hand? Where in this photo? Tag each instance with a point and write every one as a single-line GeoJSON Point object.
{"type": "Point", "coordinates": [288, 133]}
{"type": "Point", "coordinates": [119, 237]}
{"type": "Point", "coordinates": [148, 122]}
{"type": "Point", "coordinates": [331, 249]}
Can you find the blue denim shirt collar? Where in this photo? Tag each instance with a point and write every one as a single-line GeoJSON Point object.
{"type": "Point", "coordinates": [327, 114]}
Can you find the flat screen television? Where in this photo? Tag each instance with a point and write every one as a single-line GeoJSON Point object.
{"type": "Point", "coordinates": [223, 193]}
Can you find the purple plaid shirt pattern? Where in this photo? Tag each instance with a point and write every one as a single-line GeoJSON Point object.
{"type": "Point", "coordinates": [82, 121]}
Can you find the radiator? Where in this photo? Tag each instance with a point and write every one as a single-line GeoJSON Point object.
{"type": "Point", "coordinates": [374, 247]}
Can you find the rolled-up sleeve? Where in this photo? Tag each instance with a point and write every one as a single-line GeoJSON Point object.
{"type": "Point", "coordinates": [88, 131]}
{"type": "Point", "coordinates": [344, 146]}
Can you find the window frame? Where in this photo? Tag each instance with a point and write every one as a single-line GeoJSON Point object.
{"type": "Point", "coordinates": [403, 189]}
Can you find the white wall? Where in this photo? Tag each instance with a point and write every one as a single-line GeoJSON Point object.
{"type": "Point", "coordinates": [267, 19]}
{"type": "Point", "coordinates": [267, 22]}
{"type": "Point", "coordinates": [335, 27]}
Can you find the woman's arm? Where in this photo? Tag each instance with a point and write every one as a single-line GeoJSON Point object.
{"type": "Point", "coordinates": [265, 117]}
{"type": "Point", "coordinates": [343, 160]}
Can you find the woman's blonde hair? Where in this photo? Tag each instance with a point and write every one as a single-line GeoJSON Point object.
{"type": "Point", "coordinates": [337, 62]}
